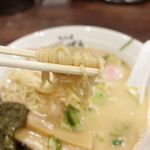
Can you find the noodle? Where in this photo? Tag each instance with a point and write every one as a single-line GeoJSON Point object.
{"type": "Point", "coordinates": [63, 107]}
{"type": "Point", "coordinates": [59, 54]}
{"type": "Point", "coordinates": [55, 87]}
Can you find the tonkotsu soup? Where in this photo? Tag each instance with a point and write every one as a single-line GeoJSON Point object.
{"type": "Point", "coordinates": [112, 119]}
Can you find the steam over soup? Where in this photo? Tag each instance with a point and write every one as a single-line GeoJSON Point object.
{"type": "Point", "coordinates": [111, 118]}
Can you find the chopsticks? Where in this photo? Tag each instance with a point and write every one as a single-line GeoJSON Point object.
{"type": "Point", "coordinates": [39, 66]}
{"type": "Point", "coordinates": [18, 52]}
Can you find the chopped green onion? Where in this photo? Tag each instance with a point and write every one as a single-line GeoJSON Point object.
{"type": "Point", "coordinates": [95, 83]}
{"type": "Point", "coordinates": [133, 96]}
{"type": "Point", "coordinates": [53, 141]}
{"type": "Point", "coordinates": [50, 141]}
{"type": "Point", "coordinates": [74, 101]}
{"type": "Point", "coordinates": [89, 109]}
{"type": "Point", "coordinates": [106, 57]}
{"type": "Point", "coordinates": [116, 142]}
{"type": "Point", "coordinates": [66, 126]}
{"type": "Point", "coordinates": [101, 85]}
{"type": "Point", "coordinates": [72, 116]}
{"type": "Point", "coordinates": [58, 144]}
{"type": "Point", "coordinates": [115, 134]}
{"type": "Point", "coordinates": [126, 44]}
{"type": "Point", "coordinates": [99, 137]}
{"type": "Point", "coordinates": [99, 98]}
{"type": "Point", "coordinates": [121, 127]}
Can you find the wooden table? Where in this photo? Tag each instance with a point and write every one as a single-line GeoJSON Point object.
{"type": "Point", "coordinates": [130, 19]}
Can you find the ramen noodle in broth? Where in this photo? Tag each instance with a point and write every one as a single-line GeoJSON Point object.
{"type": "Point", "coordinates": [59, 119]}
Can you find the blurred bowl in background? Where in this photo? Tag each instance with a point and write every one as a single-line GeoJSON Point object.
{"type": "Point", "coordinates": [12, 6]}
{"type": "Point", "coordinates": [90, 36]}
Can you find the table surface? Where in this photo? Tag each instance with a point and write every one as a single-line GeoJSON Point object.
{"type": "Point", "coordinates": [132, 19]}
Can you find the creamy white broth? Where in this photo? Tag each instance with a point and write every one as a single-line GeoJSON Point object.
{"type": "Point", "coordinates": [117, 120]}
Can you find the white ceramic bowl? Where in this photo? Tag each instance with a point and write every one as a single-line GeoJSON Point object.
{"type": "Point", "coordinates": [89, 36]}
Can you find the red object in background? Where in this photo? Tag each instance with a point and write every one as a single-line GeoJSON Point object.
{"type": "Point", "coordinates": [125, 1]}
{"type": "Point", "coordinates": [12, 6]}
{"type": "Point", "coordinates": [115, 1]}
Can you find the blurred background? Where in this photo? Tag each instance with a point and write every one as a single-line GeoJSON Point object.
{"type": "Point", "coordinates": [21, 17]}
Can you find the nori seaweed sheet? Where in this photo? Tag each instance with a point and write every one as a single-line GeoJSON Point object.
{"type": "Point", "coordinates": [12, 117]}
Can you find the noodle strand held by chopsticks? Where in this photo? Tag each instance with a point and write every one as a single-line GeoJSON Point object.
{"type": "Point", "coordinates": [60, 54]}
{"type": "Point", "coordinates": [26, 86]}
